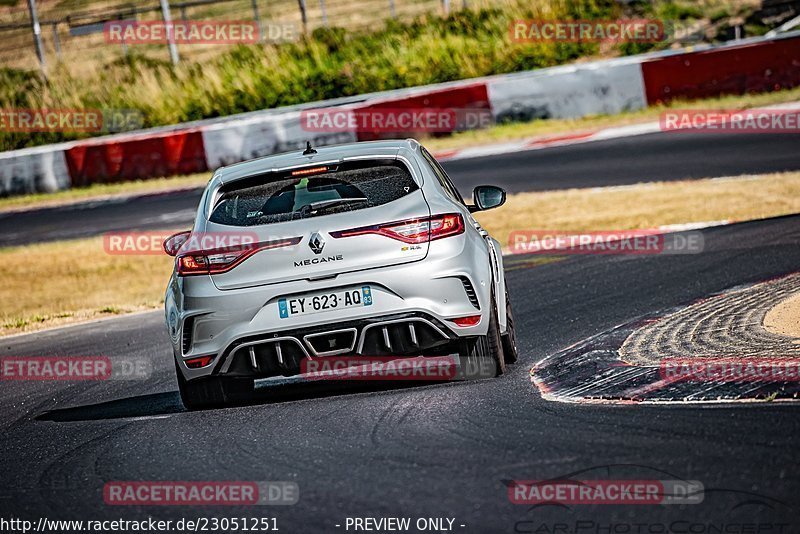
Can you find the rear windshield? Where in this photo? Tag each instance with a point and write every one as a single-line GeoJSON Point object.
{"type": "Point", "coordinates": [281, 197]}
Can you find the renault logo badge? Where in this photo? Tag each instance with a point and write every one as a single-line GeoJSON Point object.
{"type": "Point", "coordinates": [316, 243]}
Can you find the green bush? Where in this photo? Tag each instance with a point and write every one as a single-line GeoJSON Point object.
{"type": "Point", "coordinates": [670, 10]}
{"type": "Point", "coordinates": [327, 63]}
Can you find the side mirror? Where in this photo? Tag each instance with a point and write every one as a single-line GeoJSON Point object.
{"type": "Point", "coordinates": [173, 243]}
{"type": "Point", "coordinates": [486, 197]}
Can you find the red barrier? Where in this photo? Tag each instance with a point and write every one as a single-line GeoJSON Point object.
{"type": "Point", "coordinates": [473, 96]}
{"type": "Point", "coordinates": [758, 67]}
{"type": "Point", "coordinates": [136, 157]}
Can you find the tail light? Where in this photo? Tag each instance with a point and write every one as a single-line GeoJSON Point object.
{"type": "Point", "coordinates": [199, 362]}
{"type": "Point", "coordinates": [412, 230]}
{"type": "Point", "coordinates": [223, 260]}
{"type": "Point", "coordinates": [310, 171]}
{"type": "Point", "coordinates": [469, 320]}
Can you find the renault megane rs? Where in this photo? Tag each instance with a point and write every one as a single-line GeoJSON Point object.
{"type": "Point", "coordinates": [363, 249]}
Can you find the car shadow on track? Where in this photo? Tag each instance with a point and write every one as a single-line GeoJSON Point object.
{"type": "Point", "coordinates": [139, 406]}
{"type": "Point", "coordinates": [168, 403]}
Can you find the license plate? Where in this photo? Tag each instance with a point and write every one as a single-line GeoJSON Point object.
{"type": "Point", "coordinates": [327, 301]}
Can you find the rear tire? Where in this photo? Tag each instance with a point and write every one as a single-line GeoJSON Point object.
{"type": "Point", "coordinates": [482, 356]}
{"type": "Point", "coordinates": [510, 337]}
{"type": "Point", "coordinates": [212, 391]}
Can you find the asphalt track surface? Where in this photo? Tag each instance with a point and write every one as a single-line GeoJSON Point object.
{"type": "Point", "coordinates": [643, 158]}
{"type": "Point", "coordinates": [436, 450]}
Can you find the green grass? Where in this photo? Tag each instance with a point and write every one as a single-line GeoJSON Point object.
{"type": "Point", "coordinates": [327, 63]}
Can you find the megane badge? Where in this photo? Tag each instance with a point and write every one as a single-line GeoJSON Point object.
{"type": "Point", "coordinates": [316, 243]}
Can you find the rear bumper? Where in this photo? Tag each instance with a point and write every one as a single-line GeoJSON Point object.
{"type": "Point", "coordinates": [282, 353]}
{"type": "Point", "coordinates": [205, 321]}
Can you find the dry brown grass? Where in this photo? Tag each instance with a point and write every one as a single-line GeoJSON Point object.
{"type": "Point", "coordinates": [647, 205]}
{"type": "Point", "coordinates": [55, 283]}
{"type": "Point", "coordinates": [48, 284]}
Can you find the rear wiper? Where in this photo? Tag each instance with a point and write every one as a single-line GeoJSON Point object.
{"type": "Point", "coordinates": [314, 207]}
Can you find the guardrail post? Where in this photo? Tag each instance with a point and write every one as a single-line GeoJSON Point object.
{"type": "Point", "coordinates": [56, 40]}
{"type": "Point", "coordinates": [173, 49]}
{"type": "Point", "coordinates": [37, 33]}
{"type": "Point", "coordinates": [324, 12]}
{"type": "Point", "coordinates": [303, 14]}
{"type": "Point", "coordinates": [257, 18]}
{"type": "Point", "coordinates": [135, 14]}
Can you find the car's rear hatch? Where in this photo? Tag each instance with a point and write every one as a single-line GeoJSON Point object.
{"type": "Point", "coordinates": [321, 221]}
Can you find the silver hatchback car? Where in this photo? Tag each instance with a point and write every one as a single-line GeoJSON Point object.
{"type": "Point", "coordinates": [363, 249]}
